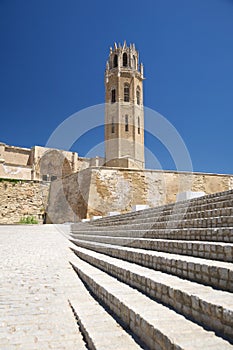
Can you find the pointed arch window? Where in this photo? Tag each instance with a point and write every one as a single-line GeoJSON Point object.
{"type": "Point", "coordinates": [139, 131]}
{"type": "Point", "coordinates": [126, 93]}
{"type": "Point", "coordinates": [113, 95]}
{"type": "Point", "coordinates": [138, 95]}
{"type": "Point", "coordinates": [125, 59]}
{"type": "Point", "coordinates": [115, 61]}
{"type": "Point", "coordinates": [134, 62]}
{"type": "Point", "coordinates": [126, 123]}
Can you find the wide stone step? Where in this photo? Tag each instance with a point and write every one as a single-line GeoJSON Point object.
{"type": "Point", "coordinates": [171, 216]}
{"type": "Point", "coordinates": [174, 208]}
{"type": "Point", "coordinates": [100, 329]}
{"type": "Point", "coordinates": [221, 208]}
{"type": "Point", "coordinates": [156, 325]}
{"type": "Point", "coordinates": [217, 274]}
{"type": "Point", "coordinates": [197, 234]}
{"type": "Point", "coordinates": [201, 249]}
{"type": "Point", "coordinates": [206, 306]}
{"type": "Point", "coordinates": [220, 221]}
{"type": "Point", "coordinates": [160, 217]}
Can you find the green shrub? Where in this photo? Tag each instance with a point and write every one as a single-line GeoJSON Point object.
{"type": "Point", "coordinates": [28, 220]}
{"type": "Point", "coordinates": [15, 181]}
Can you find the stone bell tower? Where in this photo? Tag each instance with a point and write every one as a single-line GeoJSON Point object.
{"type": "Point", "coordinates": [124, 113]}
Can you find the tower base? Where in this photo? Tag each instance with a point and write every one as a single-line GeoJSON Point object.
{"type": "Point", "coordinates": [124, 163]}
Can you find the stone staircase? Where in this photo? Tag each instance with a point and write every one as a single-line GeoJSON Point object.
{"type": "Point", "coordinates": [161, 278]}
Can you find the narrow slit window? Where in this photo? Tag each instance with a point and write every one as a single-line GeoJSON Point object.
{"type": "Point", "coordinates": [126, 123]}
{"type": "Point", "coordinates": [138, 96]}
{"type": "Point", "coordinates": [113, 97]}
{"type": "Point", "coordinates": [113, 126]}
{"type": "Point", "coordinates": [139, 125]}
{"type": "Point", "coordinates": [126, 93]}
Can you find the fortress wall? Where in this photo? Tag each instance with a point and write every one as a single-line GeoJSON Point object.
{"type": "Point", "coordinates": [16, 155]}
{"type": "Point", "coordinates": [96, 191]}
{"type": "Point", "coordinates": [100, 190]}
{"type": "Point", "coordinates": [22, 198]}
{"type": "Point", "coordinates": [69, 197]}
{"type": "Point", "coordinates": [76, 163]}
{"type": "Point", "coordinates": [40, 151]}
{"type": "Point", "coordinates": [15, 172]}
{"type": "Point", "coordinates": [82, 163]}
{"type": "Point", "coordinates": [31, 164]}
{"type": "Point", "coordinates": [121, 189]}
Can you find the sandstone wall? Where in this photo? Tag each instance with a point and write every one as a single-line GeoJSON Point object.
{"type": "Point", "coordinates": [119, 190]}
{"type": "Point", "coordinates": [96, 191]}
{"type": "Point", "coordinates": [40, 163]}
{"type": "Point", "coordinates": [17, 155]}
{"type": "Point", "coordinates": [68, 198]}
{"type": "Point", "coordinates": [22, 198]}
{"type": "Point", "coordinates": [15, 172]}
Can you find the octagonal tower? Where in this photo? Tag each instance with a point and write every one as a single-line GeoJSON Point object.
{"type": "Point", "coordinates": [124, 112]}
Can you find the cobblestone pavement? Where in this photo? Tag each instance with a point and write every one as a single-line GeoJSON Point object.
{"type": "Point", "coordinates": [35, 284]}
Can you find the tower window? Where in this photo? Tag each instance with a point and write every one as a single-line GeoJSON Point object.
{"type": "Point", "coordinates": [113, 126]}
{"type": "Point", "coordinates": [134, 62]}
{"type": "Point", "coordinates": [138, 125]}
{"type": "Point", "coordinates": [126, 123]}
{"type": "Point", "coordinates": [115, 61]}
{"type": "Point", "coordinates": [126, 93]}
{"type": "Point", "coordinates": [125, 59]}
{"type": "Point", "coordinates": [113, 97]}
{"type": "Point", "coordinates": [138, 96]}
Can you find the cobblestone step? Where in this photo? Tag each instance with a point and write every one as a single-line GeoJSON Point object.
{"type": "Point", "coordinates": [156, 325]}
{"type": "Point", "coordinates": [198, 234]}
{"type": "Point", "coordinates": [201, 249]}
{"type": "Point", "coordinates": [213, 273]}
{"type": "Point", "coordinates": [206, 306]}
{"type": "Point", "coordinates": [100, 329]}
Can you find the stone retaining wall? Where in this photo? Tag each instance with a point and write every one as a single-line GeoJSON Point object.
{"type": "Point", "coordinates": [19, 199]}
{"type": "Point", "coordinates": [100, 190]}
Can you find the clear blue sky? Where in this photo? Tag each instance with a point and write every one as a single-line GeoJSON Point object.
{"type": "Point", "coordinates": [52, 61]}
